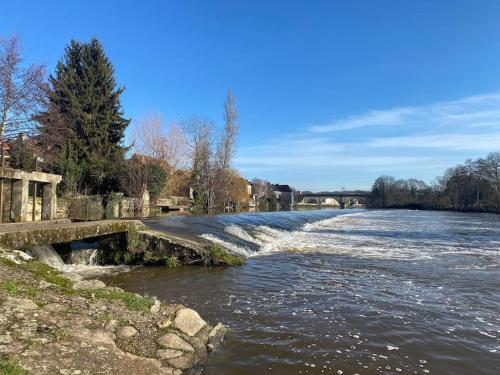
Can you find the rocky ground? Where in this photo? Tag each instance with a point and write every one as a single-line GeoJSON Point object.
{"type": "Point", "coordinates": [53, 323]}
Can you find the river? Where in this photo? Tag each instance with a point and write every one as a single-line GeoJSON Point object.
{"type": "Point", "coordinates": [343, 291]}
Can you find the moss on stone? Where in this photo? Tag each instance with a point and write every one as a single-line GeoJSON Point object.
{"type": "Point", "coordinates": [8, 262]}
{"type": "Point", "coordinates": [172, 261]}
{"type": "Point", "coordinates": [133, 242]}
{"type": "Point", "coordinates": [217, 255]}
{"type": "Point", "coordinates": [47, 273]}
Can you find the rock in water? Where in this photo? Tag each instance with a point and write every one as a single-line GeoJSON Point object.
{"type": "Point", "coordinates": [172, 341]}
{"type": "Point", "coordinates": [188, 321]}
{"type": "Point", "coordinates": [217, 333]}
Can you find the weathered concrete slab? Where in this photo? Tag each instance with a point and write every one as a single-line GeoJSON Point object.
{"type": "Point", "coordinates": [17, 174]}
{"type": "Point", "coordinates": [10, 227]}
{"type": "Point", "coordinates": [23, 235]}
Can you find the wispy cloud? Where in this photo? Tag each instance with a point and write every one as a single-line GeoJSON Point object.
{"type": "Point", "coordinates": [457, 142]}
{"type": "Point", "coordinates": [373, 118]}
{"type": "Point", "coordinates": [314, 162]}
{"type": "Point", "coordinates": [473, 111]}
{"type": "Point", "coordinates": [417, 141]}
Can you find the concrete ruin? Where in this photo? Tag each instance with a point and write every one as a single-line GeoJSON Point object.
{"type": "Point", "coordinates": [15, 188]}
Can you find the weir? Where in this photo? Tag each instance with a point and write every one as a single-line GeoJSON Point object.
{"type": "Point", "coordinates": [118, 242]}
{"type": "Point", "coordinates": [27, 235]}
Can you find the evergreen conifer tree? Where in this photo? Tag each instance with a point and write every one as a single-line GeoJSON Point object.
{"type": "Point", "coordinates": [83, 127]}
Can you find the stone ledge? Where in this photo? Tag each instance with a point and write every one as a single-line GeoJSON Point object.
{"type": "Point", "coordinates": [18, 174]}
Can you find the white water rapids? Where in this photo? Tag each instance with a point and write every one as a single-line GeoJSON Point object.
{"type": "Point", "coordinates": [341, 235]}
{"type": "Point", "coordinates": [81, 259]}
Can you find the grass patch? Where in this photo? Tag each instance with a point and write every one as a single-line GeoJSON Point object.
{"type": "Point", "coordinates": [42, 271]}
{"type": "Point", "coordinates": [74, 310]}
{"type": "Point", "coordinates": [11, 288]}
{"type": "Point", "coordinates": [31, 291]}
{"type": "Point", "coordinates": [15, 289]}
{"type": "Point", "coordinates": [8, 262]}
{"type": "Point", "coordinates": [217, 255]}
{"type": "Point", "coordinates": [62, 334]}
{"type": "Point", "coordinates": [121, 322]}
{"type": "Point", "coordinates": [136, 303]}
{"type": "Point", "coordinates": [11, 367]}
{"type": "Point", "coordinates": [133, 302]}
{"type": "Point", "coordinates": [105, 318]}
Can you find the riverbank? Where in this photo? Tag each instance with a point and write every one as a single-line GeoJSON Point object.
{"type": "Point", "coordinates": [425, 207]}
{"type": "Point", "coordinates": [53, 323]}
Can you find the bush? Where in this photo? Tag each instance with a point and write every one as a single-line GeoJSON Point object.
{"type": "Point", "coordinates": [157, 180]}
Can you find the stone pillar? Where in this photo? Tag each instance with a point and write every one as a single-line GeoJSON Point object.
{"type": "Point", "coordinates": [49, 201]}
{"type": "Point", "coordinates": [145, 203]}
{"type": "Point", "coordinates": [19, 204]}
{"type": "Point", "coordinates": [6, 197]}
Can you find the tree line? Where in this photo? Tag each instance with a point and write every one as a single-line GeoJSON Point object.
{"type": "Point", "coordinates": [73, 124]}
{"type": "Point", "coordinates": [471, 186]}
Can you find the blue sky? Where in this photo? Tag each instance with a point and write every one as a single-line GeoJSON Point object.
{"type": "Point", "coordinates": [331, 94]}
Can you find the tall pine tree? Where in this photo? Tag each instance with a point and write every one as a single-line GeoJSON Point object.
{"type": "Point", "coordinates": [83, 127]}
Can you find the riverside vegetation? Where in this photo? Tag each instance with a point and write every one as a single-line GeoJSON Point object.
{"type": "Point", "coordinates": [73, 124]}
{"type": "Point", "coordinates": [52, 323]}
{"type": "Point", "coordinates": [472, 186]}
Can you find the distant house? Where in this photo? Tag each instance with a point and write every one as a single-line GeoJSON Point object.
{"type": "Point", "coordinates": [249, 188]}
{"type": "Point", "coordinates": [284, 195]}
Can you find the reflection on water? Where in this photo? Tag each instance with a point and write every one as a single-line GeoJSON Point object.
{"type": "Point", "coordinates": [331, 292]}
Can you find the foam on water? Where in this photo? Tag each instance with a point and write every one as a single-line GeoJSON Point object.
{"type": "Point", "coordinates": [228, 245]}
{"type": "Point", "coordinates": [47, 255]}
{"type": "Point", "coordinates": [85, 265]}
{"type": "Point", "coordinates": [239, 232]}
{"type": "Point", "coordinates": [365, 234]}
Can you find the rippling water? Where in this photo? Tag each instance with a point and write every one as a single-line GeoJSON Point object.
{"type": "Point", "coordinates": [339, 291]}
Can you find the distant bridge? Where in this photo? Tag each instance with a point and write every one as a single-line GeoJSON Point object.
{"type": "Point", "coordinates": [341, 199]}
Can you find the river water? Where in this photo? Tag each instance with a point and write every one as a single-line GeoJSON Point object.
{"type": "Point", "coordinates": [343, 291]}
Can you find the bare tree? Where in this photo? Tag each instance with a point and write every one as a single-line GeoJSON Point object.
{"type": "Point", "coordinates": [22, 91]}
{"type": "Point", "coordinates": [227, 143]}
{"type": "Point", "coordinates": [169, 148]}
{"type": "Point", "coordinates": [492, 172]}
{"type": "Point", "coordinates": [471, 186]}
{"type": "Point", "coordinates": [226, 149]}
{"type": "Point", "coordinates": [134, 181]}
{"type": "Point", "coordinates": [211, 155]}
{"type": "Point", "coordinates": [200, 136]}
